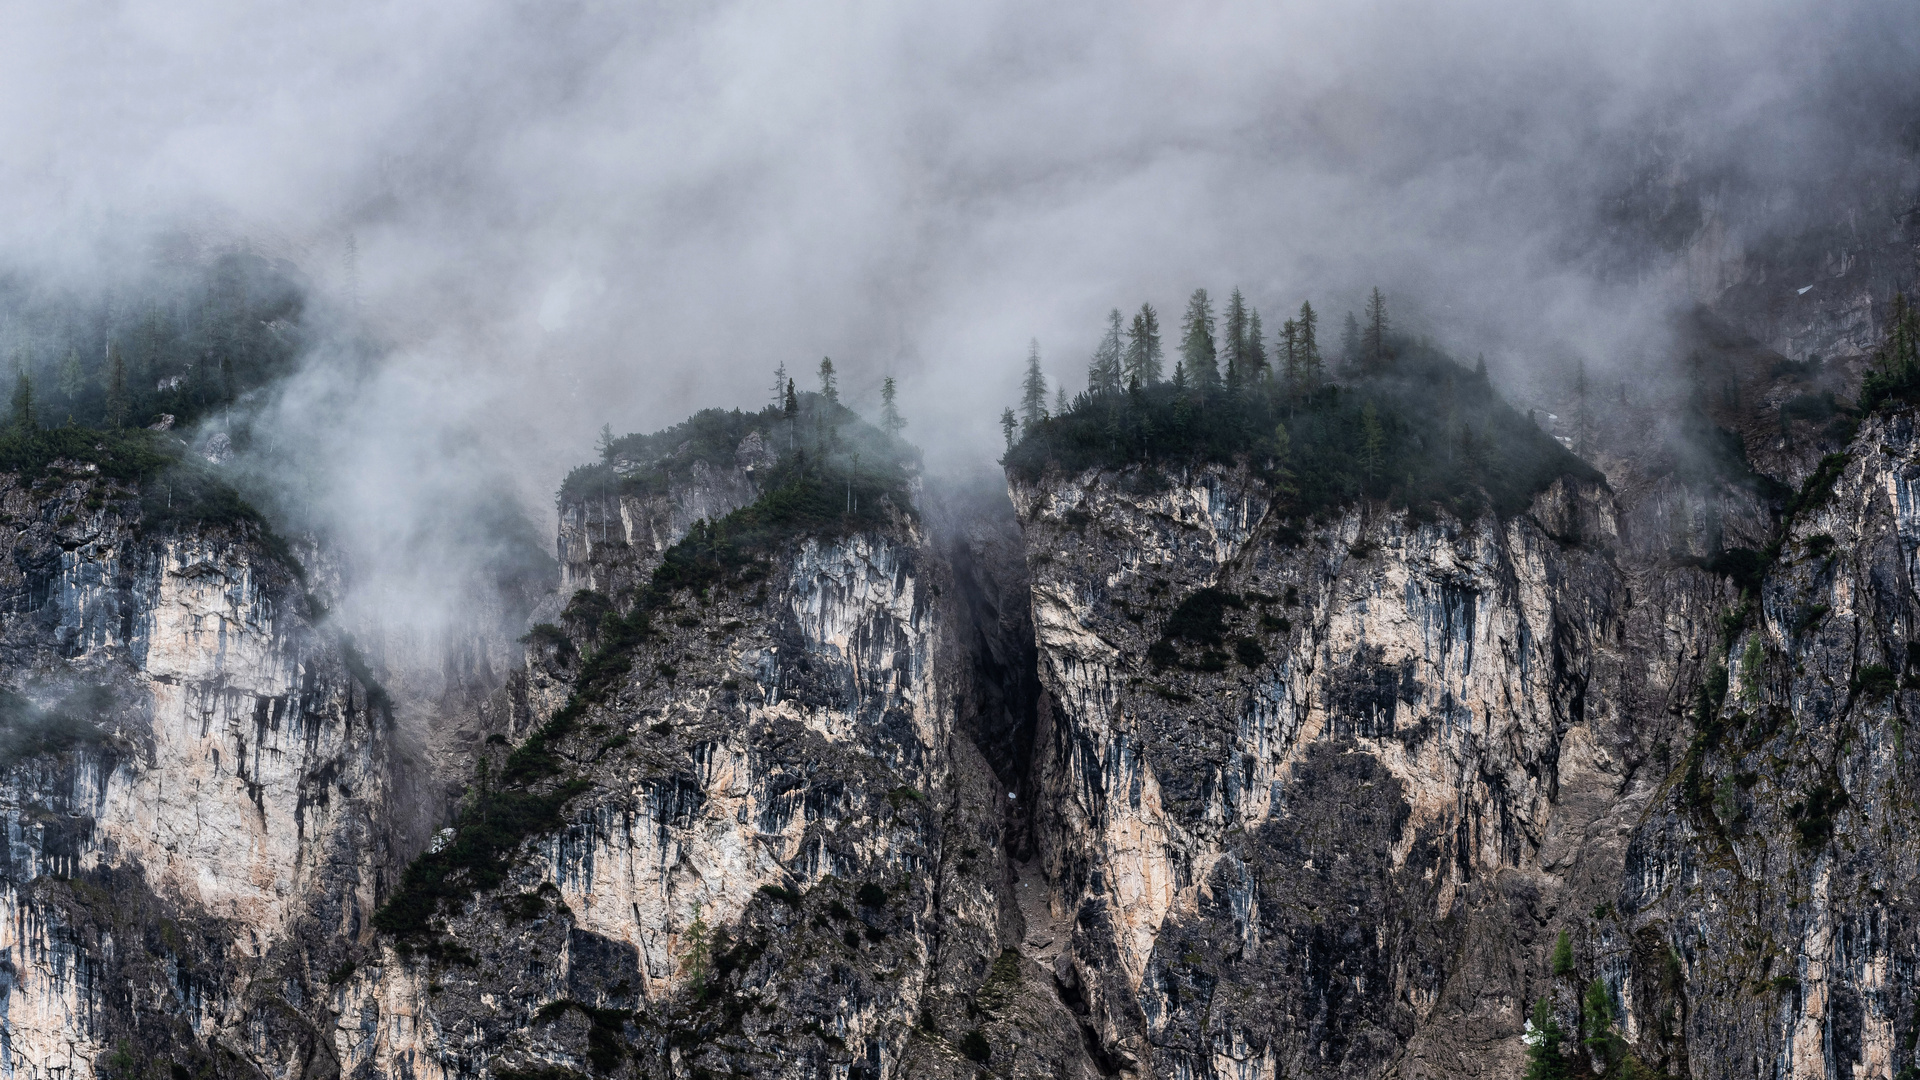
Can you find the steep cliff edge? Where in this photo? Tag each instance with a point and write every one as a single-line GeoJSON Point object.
{"type": "Point", "coordinates": [195, 790]}
{"type": "Point", "coordinates": [760, 836]}
{"type": "Point", "coordinates": [1307, 793]}
{"type": "Point", "coordinates": [1347, 792]}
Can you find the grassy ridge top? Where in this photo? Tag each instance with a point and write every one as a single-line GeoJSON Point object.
{"type": "Point", "coordinates": [1420, 432]}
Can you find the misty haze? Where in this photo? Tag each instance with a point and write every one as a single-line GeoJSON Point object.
{"type": "Point", "coordinates": [960, 541]}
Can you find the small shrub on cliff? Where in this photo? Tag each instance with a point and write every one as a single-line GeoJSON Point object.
{"type": "Point", "coordinates": [1896, 373]}
{"type": "Point", "coordinates": [1546, 1058]}
{"type": "Point", "coordinates": [1600, 1037]}
{"type": "Point", "coordinates": [1562, 962]}
{"type": "Point", "coordinates": [1874, 682]}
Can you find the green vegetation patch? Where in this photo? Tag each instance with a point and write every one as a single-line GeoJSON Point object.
{"type": "Point", "coordinates": [1421, 432]}
{"type": "Point", "coordinates": [1895, 377]}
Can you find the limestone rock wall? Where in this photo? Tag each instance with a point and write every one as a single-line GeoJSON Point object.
{"type": "Point", "coordinates": [194, 793]}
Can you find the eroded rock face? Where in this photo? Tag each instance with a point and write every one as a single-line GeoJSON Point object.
{"type": "Point", "coordinates": [1134, 777]}
{"type": "Point", "coordinates": [787, 851]}
{"type": "Point", "coordinates": [195, 800]}
{"type": "Point", "coordinates": [1780, 870]}
{"type": "Point", "coordinates": [1320, 800]}
{"type": "Point", "coordinates": [1285, 773]}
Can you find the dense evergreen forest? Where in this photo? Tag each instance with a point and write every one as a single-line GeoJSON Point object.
{"type": "Point", "coordinates": [184, 341]}
{"type": "Point", "coordinates": [109, 377]}
{"type": "Point", "coordinates": [1395, 419]}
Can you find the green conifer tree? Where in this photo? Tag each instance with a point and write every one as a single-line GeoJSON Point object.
{"type": "Point", "coordinates": [72, 378]}
{"type": "Point", "coordinates": [1103, 373]}
{"type": "Point", "coordinates": [1256, 348]}
{"type": "Point", "coordinates": [1373, 441]}
{"type": "Point", "coordinates": [1033, 390]}
{"type": "Point", "coordinates": [1007, 425]}
{"type": "Point", "coordinates": [1196, 342]}
{"type": "Point", "coordinates": [1562, 959]}
{"type": "Point", "coordinates": [698, 955]}
{"type": "Point", "coordinates": [780, 381]}
{"type": "Point", "coordinates": [1289, 346]}
{"type": "Point", "coordinates": [1598, 1033]}
{"type": "Point", "coordinates": [1312, 370]}
{"type": "Point", "coordinates": [117, 403]}
{"type": "Point", "coordinates": [23, 417]}
{"type": "Point", "coordinates": [829, 386]}
{"type": "Point", "coordinates": [1373, 336]}
{"type": "Point", "coordinates": [1546, 1060]}
{"type": "Point", "coordinates": [1350, 342]}
{"type": "Point", "coordinates": [1144, 356]}
{"type": "Point", "coordinates": [890, 419]}
{"type": "Point", "coordinates": [1234, 341]}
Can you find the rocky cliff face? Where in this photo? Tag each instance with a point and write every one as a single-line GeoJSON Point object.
{"type": "Point", "coordinates": [1320, 798]}
{"type": "Point", "coordinates": [195, 794]}
{"type": "Point", "coordinates": [777, 845]}
{"type": "Point", "coordinates": [1140, 775]}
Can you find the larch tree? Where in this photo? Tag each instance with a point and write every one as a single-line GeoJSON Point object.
{"type": "Point", "coordinates": [1256, 355]}
{"type": "Point", "coordinates": [1289, 346]}
{"type": "Point", "coordinates": [1373, 335]}
{"type": "Point", "coordinates": [1007, 425]}
{"type": "Point", "coordinates": [117, 405]}
{"type": "Point", "coordinates": [1033, 390]}
{"type": "Point", "coordinates": [1103, 372]}
{"type": "Point", "coordinates": [829, 386]}
{"type": "Point", "coordinates": [23, 418]}
{"type": "Point", "coordinates": [1196, 342]}
{"type": "Point", "coordinates": [1144, 358]}
{"type": "Point", "coordinates": [890, 418]}
{"type": "Point", "coordinates": [1312, 370]}
{"type": "Point", "coordinates": [73, 378]}
{"type": "Point", "coordinates": [1235, 344]}
{"type": "Point", "coordinates": [780, 381]}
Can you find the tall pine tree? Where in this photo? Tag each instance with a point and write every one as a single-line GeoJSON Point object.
{"type": "Point", "coordinates": [1373, 336]}
{"type": "Point", "coordinates": [829, 386]}
{"type": "Point", "coordinates": [1235, 340]}
{"type": "Point", "coordinates": [1103, 373]}
{"type": "Point", "coordinates": [23, 418]}
{"type": "Point", "coordinates": [1311, 368]}
{"type": "Point", "coordinates": [1256, 355]}
{"type": "Point", "coordinates": [1350, 342]}
{"type": "Point", "coordinates": [780, 384]}
{"type": "Point", "coordinates": [1144, 356]}
{"type": "Point", "coordinates": [117, 404]}
{"type": "Point", "coordinates": [890, 418]}
{"type": "Point", "coordinates": [1196, 342]}
{"type": "Point", "coordinates": [1033, 390]}
{"type": "Point", "coordinates": [1289, 346]}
